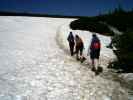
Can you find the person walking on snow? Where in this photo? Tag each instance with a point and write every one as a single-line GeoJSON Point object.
{"type": "Point", "coordinates": [79, 48]}
{"type": "Point", "coordinates": [95, 51]}
{"type": "Point", "coordinates": [70, 39]}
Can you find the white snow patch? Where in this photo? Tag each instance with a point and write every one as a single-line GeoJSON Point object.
{"type": "Point", "coordinates": [106, 53]}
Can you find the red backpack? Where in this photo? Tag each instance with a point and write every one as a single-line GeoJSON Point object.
{"type": "Point", "coordinates": [96, 45]}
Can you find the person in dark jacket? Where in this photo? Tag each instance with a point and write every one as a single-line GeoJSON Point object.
{"type": "Point", "coordinates": [95, 51]}
{"type": "Point", "coordinates": [71, 43]}
{"type": "Point", "coordinates": [79, 47]}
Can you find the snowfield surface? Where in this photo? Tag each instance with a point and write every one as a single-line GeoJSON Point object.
{"type": "Point", "coordinates": [35, 63]}
{"type": "Point", "coordinates": [107, 54]}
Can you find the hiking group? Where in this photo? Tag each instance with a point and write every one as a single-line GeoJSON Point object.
{"type": "Point", "coordinates": [76, 45]}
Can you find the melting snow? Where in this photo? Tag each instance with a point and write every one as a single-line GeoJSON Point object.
{"type": "Point", "coordinates": [33, 67]}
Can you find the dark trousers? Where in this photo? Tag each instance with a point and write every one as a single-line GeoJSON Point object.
{"type": "Point", "coordinates": [71, 45]}
{"type": "Point", "coordinates": [79, 49]}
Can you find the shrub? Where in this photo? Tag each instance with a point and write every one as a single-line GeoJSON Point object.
{"type": "Point", "coordinates": [124, 52]}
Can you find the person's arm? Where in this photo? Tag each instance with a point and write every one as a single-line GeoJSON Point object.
{"type": "Point", "coordinates": [68, 38]}
{"type": "Point", "coordinates": [90, 47]}
{"type": "Point", "coordinates": [100, 44]}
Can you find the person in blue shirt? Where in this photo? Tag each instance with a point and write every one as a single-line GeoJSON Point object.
{"type": "Point", "coordinates": [70, 39]}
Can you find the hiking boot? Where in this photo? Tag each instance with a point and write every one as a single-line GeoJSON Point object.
{"type": "Point", "coordinates": [97, 72]}
{"type": "Point", "coordinates": [71, 54]}
{"type": "Point", "coordinates": [93, 69]}
{"type": "Point", "coordinates": [83, 59]}
{"type": "Point", "coordinates": [78, 59]}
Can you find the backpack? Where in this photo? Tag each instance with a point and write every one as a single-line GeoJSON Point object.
{"type": "Point", "coordinates": [96, 45]}
{"type": "Point", "coordinates": [70, 38]}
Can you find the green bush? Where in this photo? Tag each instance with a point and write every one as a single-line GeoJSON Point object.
{"type": "Point", "coordinates": [124, 52]}
{"type": "Point", "coordinates": [92, 25]}
{"type": "Point", "coordinates": [120, 19]}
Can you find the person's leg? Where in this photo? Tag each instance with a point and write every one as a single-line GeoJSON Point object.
{"type": "Point", "coordinates": [98, 68]}
{"type": "Point", "coordinates": [82, 58]}
{"type": "Point", "coordinates": [92, 57]}
{"type": "Point", "coordinates": [81, 52]}
{"type": "Point", "coordinates": [92, 60]}
{"type": "Point", "coordinates": [77, 52]}
{"type": "Point", "coordinates": [97, 57]}
{"type": "Point", "coordinates": [71, 48]}
{"type": "Point", "coordinates": [96, 64]}
{"type": "Point", "coordinates": [93, 65]}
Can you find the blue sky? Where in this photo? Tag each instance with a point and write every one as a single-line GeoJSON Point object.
{"type": "Point", "coordinates": [64, 7]}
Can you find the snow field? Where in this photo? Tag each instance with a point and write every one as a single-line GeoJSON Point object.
{"type": "Point", "coordinates": [33, 67]}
